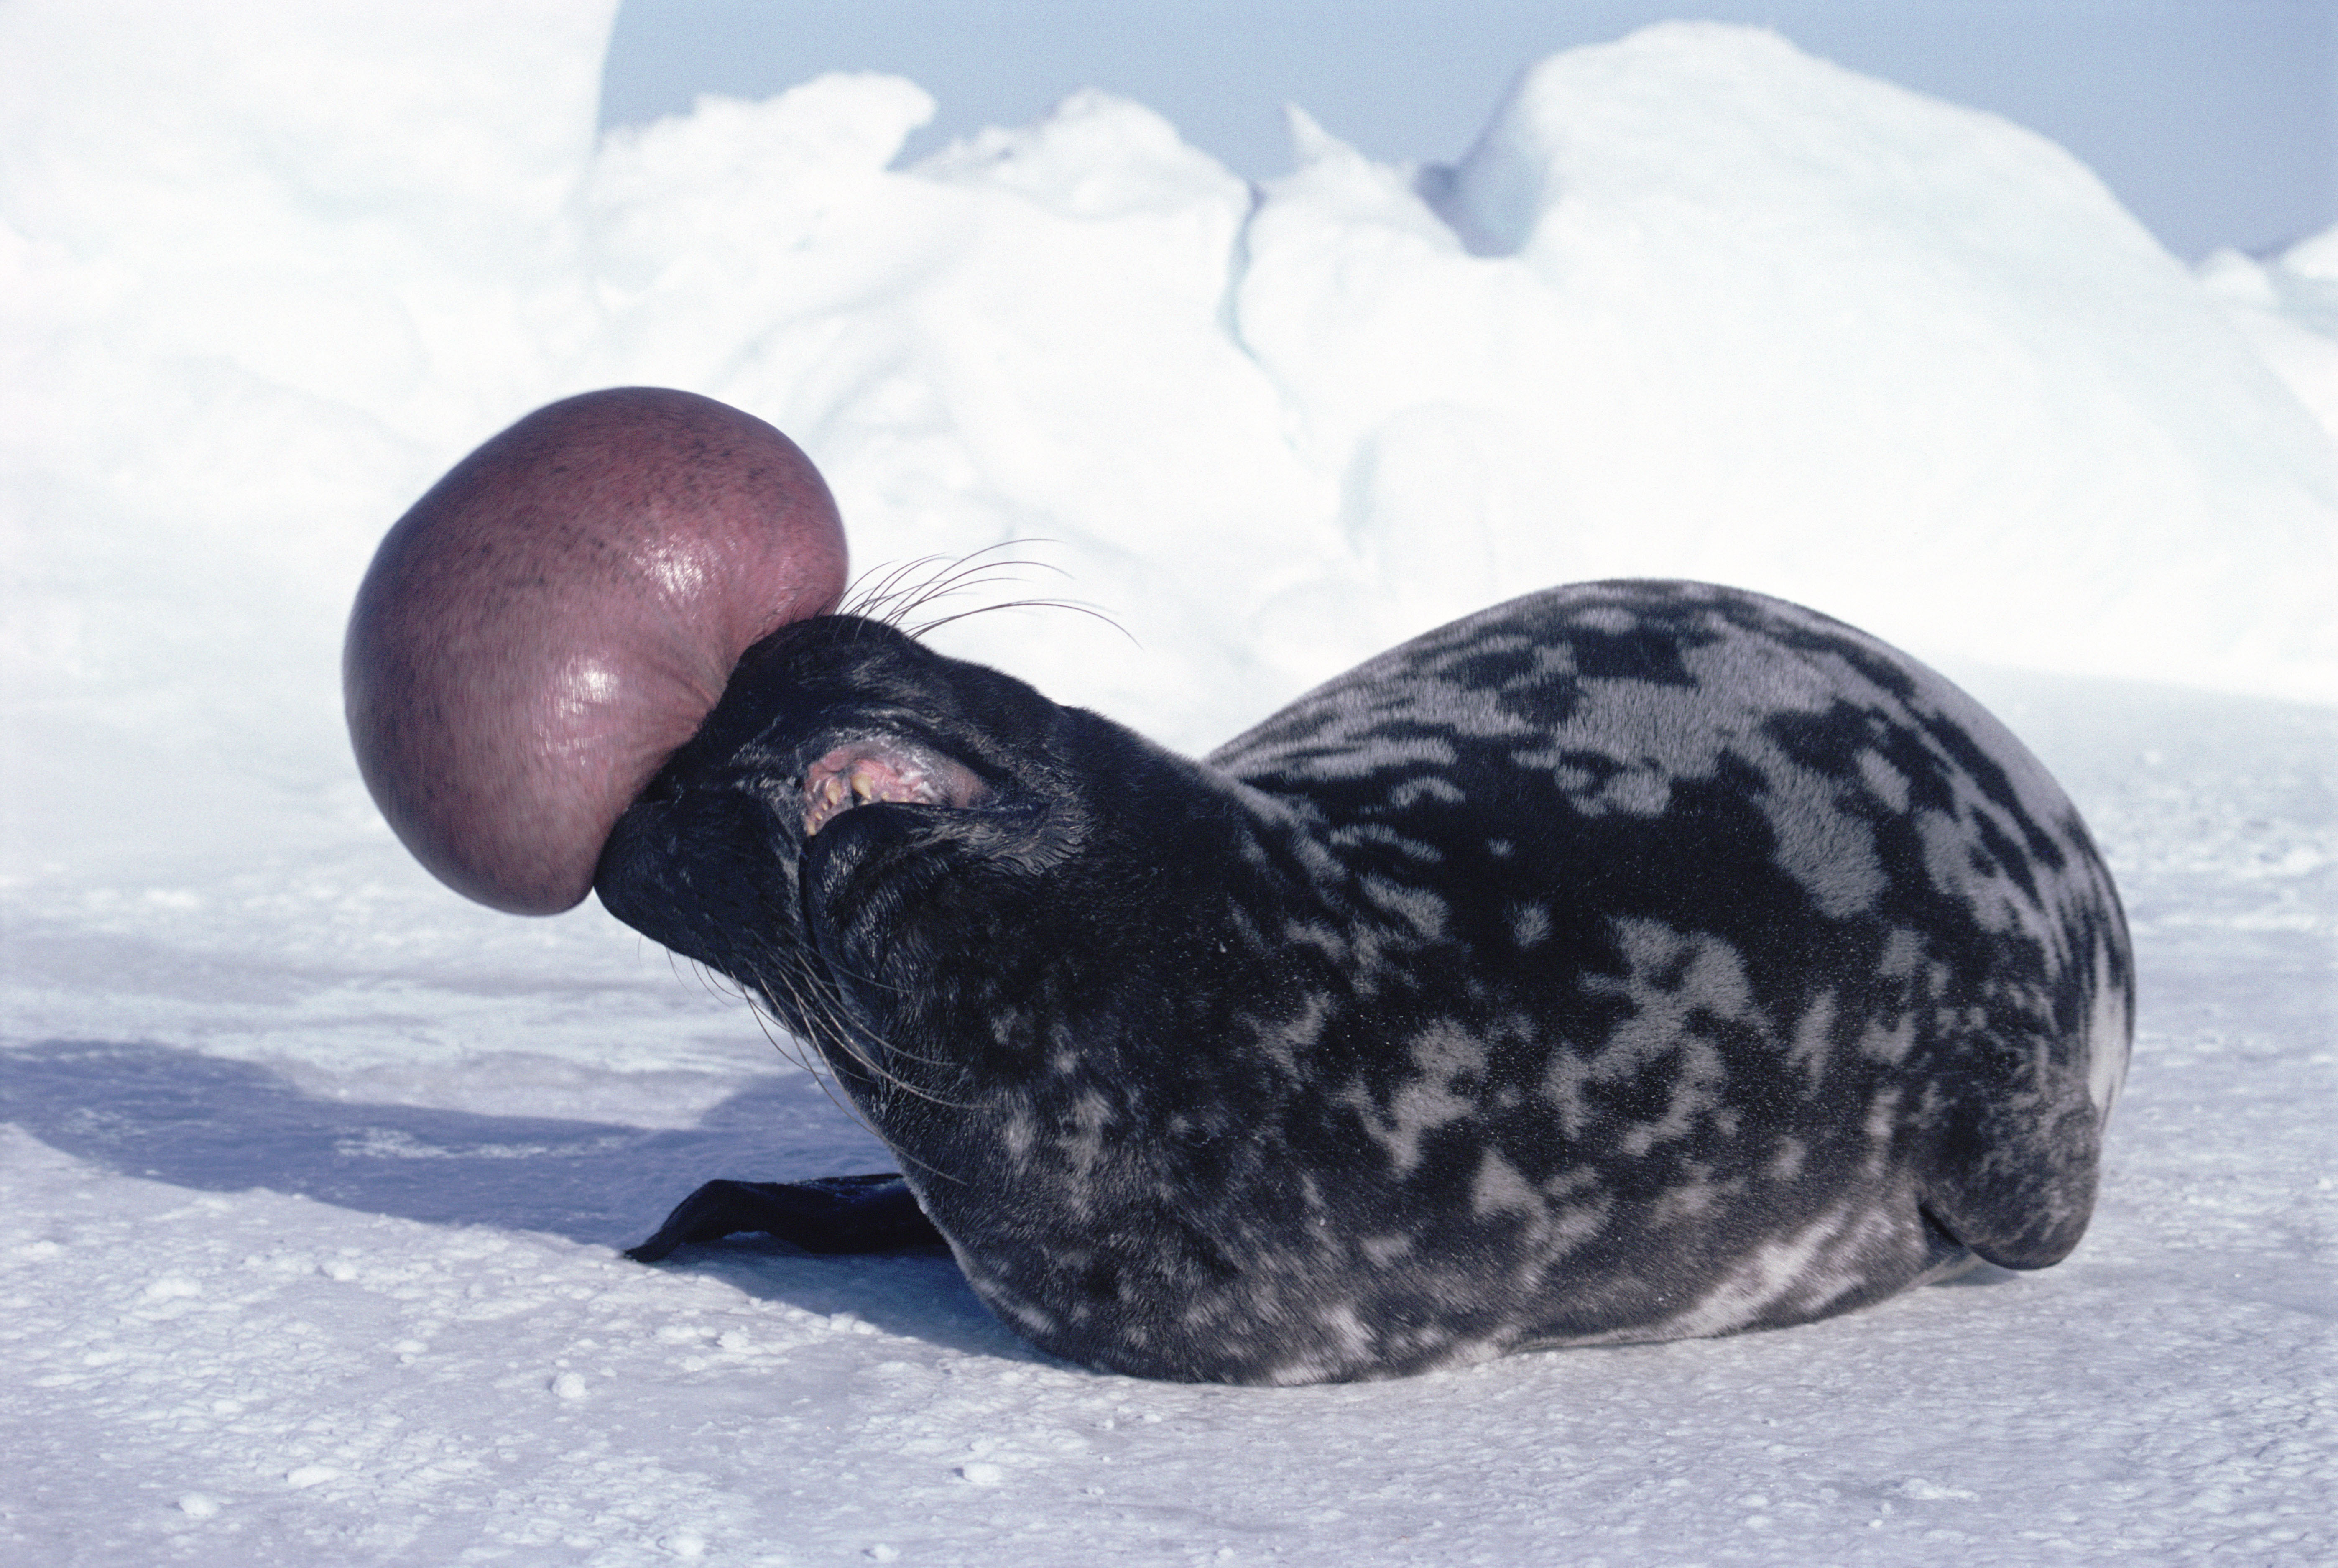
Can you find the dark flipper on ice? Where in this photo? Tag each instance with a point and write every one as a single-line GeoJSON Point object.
{"type": "Point", "coordinates": [876, 1213]}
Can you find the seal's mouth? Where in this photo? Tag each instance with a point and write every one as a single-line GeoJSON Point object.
{"type": "Point", "coordinates": [864, 771]}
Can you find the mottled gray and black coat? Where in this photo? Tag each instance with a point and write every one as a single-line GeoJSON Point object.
{"type": "Point", "coordinates": [1633, 961]}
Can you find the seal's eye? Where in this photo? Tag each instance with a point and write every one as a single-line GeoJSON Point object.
{"type": "Point", "coordinates": [876, 769]}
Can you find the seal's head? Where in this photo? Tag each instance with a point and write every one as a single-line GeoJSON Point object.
{"type": "Point", "coordinates": [884, 845]}
{"type": "Point", "coordinates": [559, 613]}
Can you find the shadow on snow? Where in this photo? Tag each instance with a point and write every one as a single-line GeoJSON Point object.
{"type": "Point", "coordinates": [219, 1126]}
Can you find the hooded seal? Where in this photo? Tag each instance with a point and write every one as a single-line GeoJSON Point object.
{"type": "Point", "coordinates": [1633, 961]}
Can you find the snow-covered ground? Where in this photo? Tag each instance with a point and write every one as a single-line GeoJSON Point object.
{"type": "Point", "coordinates": [313, 1173]}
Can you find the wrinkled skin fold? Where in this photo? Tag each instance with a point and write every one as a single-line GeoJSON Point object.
{"type": "Point", "coordinates": [1629, 961]}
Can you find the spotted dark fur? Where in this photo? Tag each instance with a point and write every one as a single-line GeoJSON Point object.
{"type": "Point", "coordinates": [1633, 961]}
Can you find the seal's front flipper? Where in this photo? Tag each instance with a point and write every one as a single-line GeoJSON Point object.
{"type": "Point", "coordinates": [833, 1214]}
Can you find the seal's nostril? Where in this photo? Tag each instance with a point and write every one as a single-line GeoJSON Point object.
{"type": "Point", "coordinates": [559, 613]}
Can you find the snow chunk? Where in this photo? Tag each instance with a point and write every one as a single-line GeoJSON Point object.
{"type": "Point", "coordinates": [1093, 155]}
{"type": "Point", "coordinates": [2287, 307]}
{"type": "Point", "coordinates": [1925, 1491]}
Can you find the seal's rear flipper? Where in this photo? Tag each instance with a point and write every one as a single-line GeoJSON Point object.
{"type": "Point", "coordinates": [834, 1214]}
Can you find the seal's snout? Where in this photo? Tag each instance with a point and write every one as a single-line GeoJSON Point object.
{"type": "Point", "coordinates": [681, 870]}
{"type": "Point", "coordinates": [559, 614]}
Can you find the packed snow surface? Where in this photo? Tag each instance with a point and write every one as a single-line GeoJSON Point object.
{"type": "Point", "coordinates": [314, 1173]}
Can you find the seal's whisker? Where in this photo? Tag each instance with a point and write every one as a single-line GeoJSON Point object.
{"type": "Point", "coordinates": [821, 1017]}
{"type": "Point", "coordinates": [890, 595]}
{"type": "Point", "coordinates": [812, 1065]}
{"type": "Point", "coordinates": [869, 983]}
{"type": "Point", "coordinates": [956, 584]}
{"type": "Point", "coordinates": [811, 1010]}
{"type": "Point", "coordinates": [970, 571]}
{"type": "Point", "coordinates": [1074, 605]}
{"type": "Point", "coordinates": [712, 981]}
{"type": "Point", "coordinates": [880, 589]}
{"type": "Point", "coordinates": [764, 1021]}
{"type": "Point", "coordinates": [845, 1040]}
{"type": "Point", "coordinates": [866, 597]}
{"type": "Point", "coordinates": [766, 1010]}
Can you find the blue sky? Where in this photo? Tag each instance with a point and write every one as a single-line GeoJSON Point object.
{"type": "Point", "coordinates": [2215, 121]}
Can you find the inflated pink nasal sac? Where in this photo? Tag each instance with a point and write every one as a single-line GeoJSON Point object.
{"type": "Point", "coordinates": [559, 614]}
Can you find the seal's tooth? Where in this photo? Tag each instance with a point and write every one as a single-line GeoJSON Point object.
{"type": "Point", "coordinates": [823, 798]}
